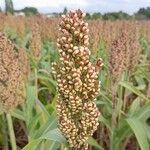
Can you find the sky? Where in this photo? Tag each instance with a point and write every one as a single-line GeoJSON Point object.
{"type": "Point", "coordinates": [45, 6]}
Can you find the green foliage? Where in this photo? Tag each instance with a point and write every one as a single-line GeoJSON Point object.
{"type": "Point", "coordinates": [88, 16]}
{"type": "Point", "coordinates": [109, 16]}
{"type": "Point", "coordinates": [29, 11]}
{"type": "Point", "coordinates": [143, 14]}
{"type": "Point", "coordinates": [116, 16]}
{"type": "Point", "coordinates": [9, 6]}
{"type": "Point", "coordinates": [96, 16]}
{"type": "Point", "coordinates": [65, 10]}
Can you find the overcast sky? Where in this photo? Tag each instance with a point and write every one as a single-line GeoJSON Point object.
{"type": "Point", "coordinates": [45, 6]}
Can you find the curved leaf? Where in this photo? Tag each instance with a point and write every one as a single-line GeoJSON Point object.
{"type": "Point", "coordinates": [138, 129]}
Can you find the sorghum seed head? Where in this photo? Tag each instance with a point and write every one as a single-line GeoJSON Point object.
{"type": "Point", "coordinates": [35, 41]}
{"type": "Point", "coordinates": [12, 76]}
{"type": "Point", "coordinates": [78, 85]}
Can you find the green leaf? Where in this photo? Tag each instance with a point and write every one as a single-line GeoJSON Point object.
{"type": "Point", "coordinates": [119, 134]}
{"type": "Point", "coordinates": [138, 129]}
{"type": "Point", "coordinates": [40, 108]}
{"type": "Point", "coordinates": [33, 123]}
{"type": "Point", "coordinates": [94, 143]}
{"type": "Point", "coordinates": [47, 81]}
{"type": "Point", "coordinates": [18, 114]}
{"type": "Point", "coordinates": [51, 145]}
{"type": "Point", "coordinates": [105, 122]}
{"type": "Point", "coordinates": [54, 135]}
{"type": "Point", "coordinates": [118, 106]}
{"type": "Point", "coordinates": [133, 89]}
{"type": "Point", "coordinates": [32, 145]}
{"type": "Point", "coordinates": [48, 126]}
{"type": "Point", "coordinates": [25, 40]}
{"type": "Point", "coordinates": [147, 130]}
{"type": "Point", "coordinates": [134, 106]}
{"type": "Point", "coordinates": [143, 113]}
{"type": "Point", "coordinates": [31, 94]}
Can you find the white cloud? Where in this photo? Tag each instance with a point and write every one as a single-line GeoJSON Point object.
{"type": "Point", "coordinates": [86, 5]}
{"type": "Point", "coordinates": [50, 3]}
{"type": "Point", "coordinates": [2, 4]}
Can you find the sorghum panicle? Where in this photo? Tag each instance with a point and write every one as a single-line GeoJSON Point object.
{"type": "Point", "coordinates": [125, 53]}
{"type": "Point", "coordinates": [118, 56]}
{"type": "Point", "coordinates": [35, 41]}
{"type": "Point", "coordinates": [77, 80]}
{"type": "Point", "coordinates": [134, 46]}
{"type": "Point", "coordinates": [11, 77]}
{"type": "Point", "coordinates": [24, 62]}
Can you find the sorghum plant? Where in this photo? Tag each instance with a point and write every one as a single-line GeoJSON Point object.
{"type": "Point", "coordinates": [11, 77]}
{"type": "Point", "coordinates": [117, 65]}
{"type": "Point", "coordinates": [125, 52]}
{"type": "Point", "coordinates": [77, 80]}
{"type": "Point", "coordinates": [35, 41]}
{"type": "Point", "coordinates": [124, 56]}
{"type": "Point", "coordinates": [134, 46]}
{"type": "Point", "coordinates": [118, 56]}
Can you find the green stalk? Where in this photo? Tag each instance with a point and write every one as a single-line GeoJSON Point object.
{"type": "Point", "coordinates": [42, 120]}
{"type": "Point", "coordinates": [126, 78]}
{"type": "Point", "coordinates": [62, 147]}
{"type": "Point", "coordinates": [113, 123]}
{"type": "Point", "coordinates": [4, 130]}
{"type": "Point", "coordinates": [122, 95]}
{"type": "Point", "coordinates": [113, 119]}
{"type": "Point", "coordinates": [36, 82]}
{"type": "Point", "coordinates": [11, 132]}
{"type": "Point", "coordinates": [112, 140]}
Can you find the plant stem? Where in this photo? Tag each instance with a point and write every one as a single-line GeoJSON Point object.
{"type": "Point", "coordinates": [4, 130]}
{"type": "Point", "coordinates": [63, 147]}
{"type": "Point", "coordinates": [113, 123]}
{"type": "Point", "coordinates": [11, 132]}
{"type": "Point", "coordinates": [42, 147]}
{"type": "Point", "coordinates": [125, 78]}
{"type": "Point", "coordinates": [148, 90]}
{"type": "Point", "coordinates": [36, 82]}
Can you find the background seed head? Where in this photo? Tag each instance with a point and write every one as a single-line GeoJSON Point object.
{"type": "Point", "coordinates": [35, 41]}
{"type": "Point", "coordinates": [12, 76]}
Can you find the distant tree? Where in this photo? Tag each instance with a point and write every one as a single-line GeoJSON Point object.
{"type": "Point", "coordinates": [143, 13]}
{"type": "Point", "coordinates": [96, 16]}
{"type": "Point", "coordinates": [116, 16]}
{"type": "Point", "coordinates": [9, 8]}
{"type": "Point", "coordinates": [29, 11]}
{"type": "Point", "coordinates": [65, 10]}
{"type": "Point", "coordinates": [88, 16]}
{"type": "Point", "coordinates": [55, 14]}
{"type": "Point", "coordinates": [0, 9]}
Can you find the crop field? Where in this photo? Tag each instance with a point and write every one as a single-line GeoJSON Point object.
{"type": "Point", "coordinates": [69, 83]}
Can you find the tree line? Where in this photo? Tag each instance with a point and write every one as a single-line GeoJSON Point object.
{"type": "Point", "coordinates": [141, 14]}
